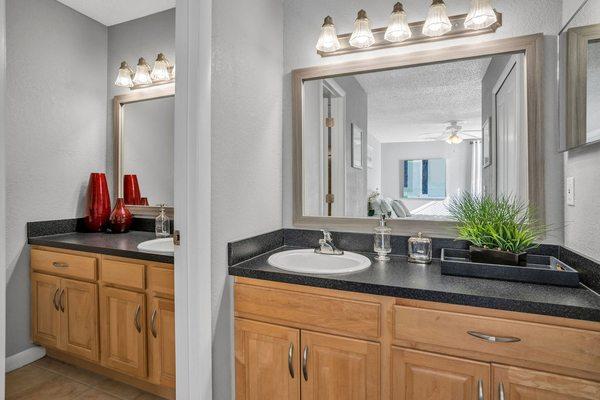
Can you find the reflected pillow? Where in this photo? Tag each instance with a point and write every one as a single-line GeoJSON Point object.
{"type": "Point", "coordinates": [400, 209]}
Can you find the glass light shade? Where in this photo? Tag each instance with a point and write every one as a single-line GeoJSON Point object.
{"type": "Point", "coordinates": [437, 22]}
{"type": "Point", "coordinates": [454, 139]}
{"type": "Point", "coordinates": [160, 72]}
{"type": "Point", "coordinates": [124, 76]}
{"type": "Point", "coordinates": [362, 37]}
{"type": "Point", "coordinates": [398, 29]}
{"type": "Point", "coordinates": [481, 15]}
{"type": "Point", "coordinates": [328, 40]}
{"type": "Point", "coordinates": [142, 73]}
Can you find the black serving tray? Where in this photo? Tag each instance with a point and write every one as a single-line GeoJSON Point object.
{"type": "Point", "coordinates": [545, 270]}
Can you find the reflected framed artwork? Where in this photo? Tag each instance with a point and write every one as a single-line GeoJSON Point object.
{"type": "Point", "coordinates": [357, 145]}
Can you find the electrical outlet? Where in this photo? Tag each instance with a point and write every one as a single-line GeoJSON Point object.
{"type": "Point", "coordinates": [571, 191]}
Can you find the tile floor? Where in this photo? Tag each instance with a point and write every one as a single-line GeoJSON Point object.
{"type": "Point", "coordinates": [49, 379]}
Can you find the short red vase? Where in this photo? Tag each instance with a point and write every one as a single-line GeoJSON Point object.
{"type": "Point", "coordinates": [121, 218]}
{"type": "Point", "coordinates": [131, 190]}
{"type": "Point", "coordinates": [97, 209]}
{"type": "Point", "coordinates": [144, 201]}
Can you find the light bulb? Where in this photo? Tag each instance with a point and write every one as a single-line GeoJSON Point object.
{"type": "Point", "coordinates": [454, 139]}
{"type": "Point", "coordinates": [437, 22]}
{"type": "Point", "coordinates": [481, 15]}
{"type": "Point", "coordinates": [398, 29]}
{"type": "Point", "coordinates": [328, 40]}
{"type": "Point", "coordinates": [124, 76]}
{"type": "Point", "coordinates": [362, 37]}
{"type": "Point", "coordinates": [160, 72]}
{"type": "Point", "coordinates": [142, 73]}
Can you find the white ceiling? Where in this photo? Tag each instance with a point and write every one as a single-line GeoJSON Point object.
{"type": "Point", "coordinates": [405, 103]}
{"type": "Point", "coordinates": [111, 12]}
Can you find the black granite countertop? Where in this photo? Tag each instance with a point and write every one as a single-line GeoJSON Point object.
{"type": "Point", "coordinates": [121, 244]}
{"type": "Point", "coordinates": [399, 278]}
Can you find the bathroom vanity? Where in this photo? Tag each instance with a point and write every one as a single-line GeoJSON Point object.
{"type": "Point", "coordinates": [110, 314]}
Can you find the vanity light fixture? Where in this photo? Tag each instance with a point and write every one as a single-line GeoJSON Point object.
{"type": "Point", "coordinates": [160, 72]}
{"type": "Point", "coordinates": [328, 40]}
{"type": "Point", "coordinates": [362, 37]}
{"type": "Point", "coordinates": [481, 15]}
{"type": "Point", "coordinates": [124, 75]}
{"type": "Point", "coordinates": [142, 73]}
{"type": "Point", "coordinates": [437, 22]}
{"type": "Point", "coordinates": [398, 29]}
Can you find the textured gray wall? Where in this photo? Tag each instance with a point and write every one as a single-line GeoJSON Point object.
{"type": "Point", "coordinates": [247, 66]}
{"type": "Point", "coordinates": [56, 124]}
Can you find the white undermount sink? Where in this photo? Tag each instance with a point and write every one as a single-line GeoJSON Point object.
{"type": "Point", "coordinates": [162, 246]}
{"type": "Point", "coordinates": [309, 262]}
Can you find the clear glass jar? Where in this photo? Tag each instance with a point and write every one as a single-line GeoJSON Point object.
{"type": "Point", "coordinates": [162, 226]}
{"type": "Point", "coordinates": [381, 243]}
{"type": "Point", "coordinates": [419, 249]}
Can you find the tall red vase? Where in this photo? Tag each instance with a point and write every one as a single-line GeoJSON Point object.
{"type": "Point", "coordinates": [131, 190]}
{"type": "Point", "coordinates": [121, 218]}
{"type": "Point", "coordinates": [98, 203]}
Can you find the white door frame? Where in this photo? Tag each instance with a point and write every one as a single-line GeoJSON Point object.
{"type": "Point", "coordinates": [2, 193]}
{"type": "Point", "coordinates": [193, 338]}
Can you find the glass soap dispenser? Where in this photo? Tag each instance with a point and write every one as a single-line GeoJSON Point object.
{"type": "Point", "coordinates": [382, 240]}
{"type": "Point", "coordinates": [419, 249]}
{"type": "Point", "coordinates": [162, 223]}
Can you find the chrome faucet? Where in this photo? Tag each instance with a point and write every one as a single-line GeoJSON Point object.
{"type": "Point", "coordinates": [326, 245]}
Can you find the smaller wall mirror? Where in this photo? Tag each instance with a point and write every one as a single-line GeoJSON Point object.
{"type": "Point", "coordinates": [579, 77]}
{"type": "Point", "coordinates": [144, 148]}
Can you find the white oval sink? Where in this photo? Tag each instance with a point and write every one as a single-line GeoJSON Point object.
{"type": "Point", "coordinates": [309, 262]}
{"type": "Point", "coordinates": [162, 245]}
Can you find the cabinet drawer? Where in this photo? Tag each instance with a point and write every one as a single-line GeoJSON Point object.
{"type": "Point", "coordinates": [312, 311]}
{"type": "Point", "coordinates": [56, 263]}
{"type": "Point", "coordinates": [161, 281]}
{"type": "Point", "coordinates": [122, 273]}
{"type": "Point", "coordinates": [548, 344]}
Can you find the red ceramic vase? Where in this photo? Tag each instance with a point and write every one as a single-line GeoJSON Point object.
{"type": "Point", "coordinates": [131, 190]}
{"type": "Point", "coordinates": [121, 218]}
{"type": "Point", "coordinates": [98, 203]}
{"type": "Point", "coordinates": [144, 201]}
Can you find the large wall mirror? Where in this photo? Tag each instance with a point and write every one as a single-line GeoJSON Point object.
{"type": "Point", "coordinates": [144, 139]}
{"type": "Point", "coordinates": [579, 77]}
{"type": "Point", "coordinates": [402, 135]}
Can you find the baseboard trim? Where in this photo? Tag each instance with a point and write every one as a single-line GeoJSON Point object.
{"type": "Point", "coordinates": [25, 357]}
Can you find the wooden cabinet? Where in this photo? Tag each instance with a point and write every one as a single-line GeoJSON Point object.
{"type": "Point", "coordinates": [419, 375]}
{"type": "Point", "coordinates": [123, 330]}
{"type": "Point", "coordinates": [512, 383]}
{"type": "Point", "coordinates": [339, 368]}
{"type": "Point", "coordinates": [79, 318]}
{"type": "Point", "coordinates": [45, 311]}
{"type": "Point", "coordinates": [161, 347]}
{"type": "Point", "coordinates": [267, 361]}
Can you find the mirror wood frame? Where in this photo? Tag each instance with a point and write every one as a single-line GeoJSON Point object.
{"type": "Point", "coordinates": [167, 90]}
{"type": "Point", "coordinates": [531, 46]}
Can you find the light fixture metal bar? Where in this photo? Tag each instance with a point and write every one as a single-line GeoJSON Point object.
{"type": "Point", "coordinates": [458, 30]}
{"type": "Point", "coordinates": [153, 84]}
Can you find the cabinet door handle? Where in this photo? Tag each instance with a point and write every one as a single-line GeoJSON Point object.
{"type": "Point", "coordinates": [57, 264]}
{"type": "Point", "coordinates": [501, 392]}
{"type": "Point", "coordinates": [494, 339]}
{"type": "Point", "coordinates": [291, 360]}
{"type": "Point", "coordinates": [136, 319]}
{"type": "Point", "coordinates": [304, 363]}
{"type": "Point", "coordinates": [54, 299]}
{"type": "Point", "coordinates": [61, 297]}
{"type": "Point", "coordinates": [153, 323]}
{"type": "Point", "coordinates": [480, 395]}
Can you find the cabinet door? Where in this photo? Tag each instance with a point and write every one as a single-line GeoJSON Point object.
{"type": "Point", "coordinates": [123, 331]}
{"type": "Point", "coordinates": [338, 368]}
{"type": "Point", "coordinates": [45, 310]}
{"type": "Point", "coordinates": [512, 383]}
{"type": "Point", "coordinates": [79, 318]}
{"type": "Point", "coordinates": [162, 341]}
{"type": "Point", "coordinates": [419, 375]}
{"type": "Point", "coordinates": [267, 364]}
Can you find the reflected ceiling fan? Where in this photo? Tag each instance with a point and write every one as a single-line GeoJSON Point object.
{"type": "Point", "coordinates": [453, 134]}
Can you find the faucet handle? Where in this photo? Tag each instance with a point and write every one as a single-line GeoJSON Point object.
{"type": "Point", "coordinates": [326, 235]}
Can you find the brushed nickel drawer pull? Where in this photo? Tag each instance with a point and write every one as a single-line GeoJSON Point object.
{"type": "Point", "coordinates": [480, 395]}
{"type": "Point", "coordinates": [501, 392]}
{"type": "Point", "coordinates": [136, 319]}
{"type": "Point", "coordinates": [61, 297]}
{"type": "Point", "coordinates": [494, 339]}
{"type": "Point", "coordinates": [56, 306]}
{"type": "Point", "coordinates": [304, 363]}
{"type": "Point", "coordinates": [291, 359]}
{"type": "Point", "coordinates": [153, 323]}
{"type": "Point", "coordinates": [57, 264]}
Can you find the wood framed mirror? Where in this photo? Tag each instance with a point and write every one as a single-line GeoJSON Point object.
{"type": "Point", "coordinates": [143, 137]}
{"type": "Point", "coordinates": [438, 99]}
